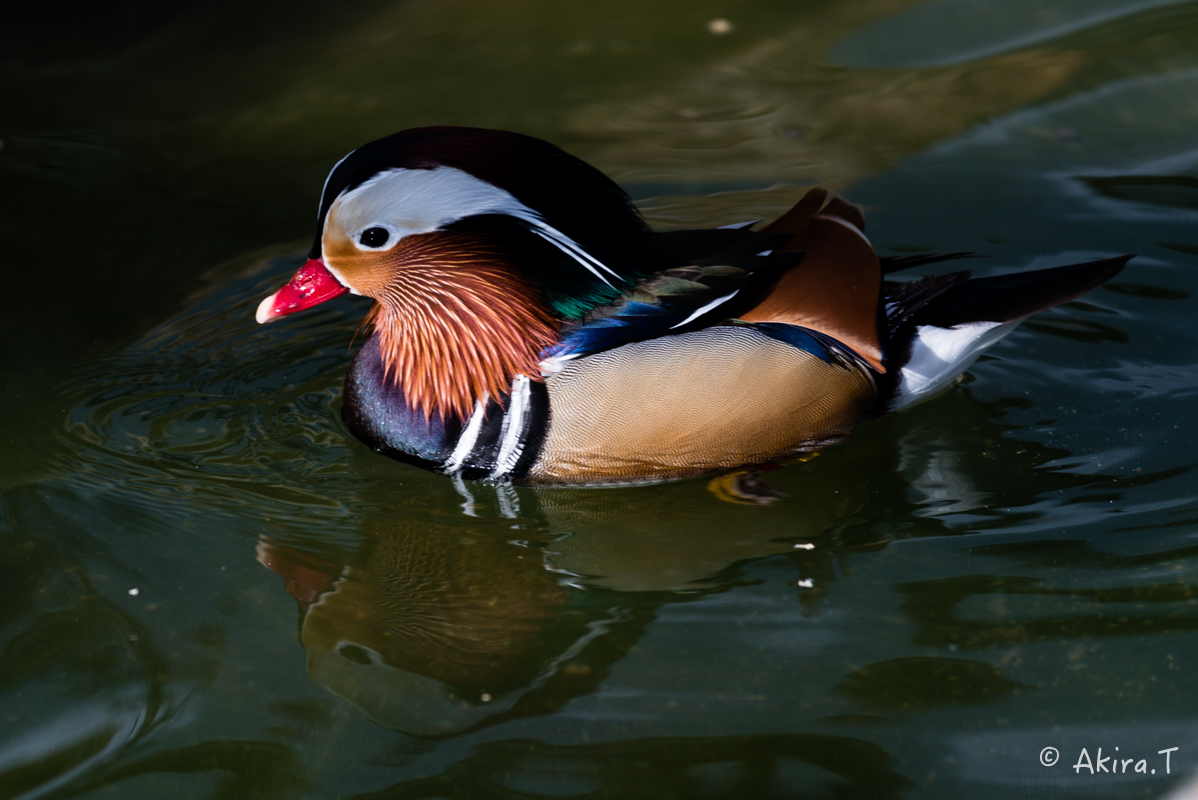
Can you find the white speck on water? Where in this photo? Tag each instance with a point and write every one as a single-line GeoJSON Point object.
{"type": "Point", "coordinates": [805, 546]}
{"type": "Point", "coordinates": [806, 583]}
{"type": "Point", "coordinates": [134, 592]}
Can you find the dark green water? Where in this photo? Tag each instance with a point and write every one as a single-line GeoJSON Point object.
{"type": "Point", "coordinates": [208, 590]}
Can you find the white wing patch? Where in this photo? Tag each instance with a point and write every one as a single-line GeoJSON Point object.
{"type": "Point", "coordinates": [698, 312]}
{"type": "Point", "coordinates": [939, 355]}
{"type": "Point", "coordinates": [555, 364]}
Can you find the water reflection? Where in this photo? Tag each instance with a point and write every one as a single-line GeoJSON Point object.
{"type": "Point", "coordinates": [716, 766]}
{"type": "Point", "coordinates": [911, 684]}
{"type": "Point", "coordinates": [995, 609]}
{"type": "Point", "coordinates": [84, 679]}
{"type": "Point", "coordinates": [433, 628]}
{"type": "Point", "coordinates": [526, 598]}
{"type": "Point", "coordinates": [956, 31]}
{"type": "Point", "coordinates": [69, 709]}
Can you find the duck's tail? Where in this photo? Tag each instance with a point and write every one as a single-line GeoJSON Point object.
{"type": "Point", "coordinates": [917, 336]}
{"type": "Point", "coordinates": [938, 325]}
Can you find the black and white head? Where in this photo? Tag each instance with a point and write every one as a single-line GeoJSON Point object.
{"type": "Point", "coordinates": [571, 230]}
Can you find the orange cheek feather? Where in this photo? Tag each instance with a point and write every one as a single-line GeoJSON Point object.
{"type": "Point", "coordinates": [455, 323]}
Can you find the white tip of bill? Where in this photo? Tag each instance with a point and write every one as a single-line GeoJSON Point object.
{"type": "Point", "coordinates": [265, 312]}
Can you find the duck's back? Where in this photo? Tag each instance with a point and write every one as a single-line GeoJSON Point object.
{"type": "Point", "coordinates": [697, 402]}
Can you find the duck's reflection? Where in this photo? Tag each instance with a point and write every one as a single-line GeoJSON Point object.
{"type": "Point", "coordinates": [436, 625]}
{"type": "Point", "coordinates": [428, 631]}
{"type": "Point", "coordinates": [529, 596]}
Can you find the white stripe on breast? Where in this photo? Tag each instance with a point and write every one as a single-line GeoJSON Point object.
{"type": "Point", "coordinates": [511, 435]}
{"type": "Point", "coordinates": [468, 438]}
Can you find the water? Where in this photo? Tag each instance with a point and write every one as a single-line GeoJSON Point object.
{"type": "Point", "coordinates": [210, 590]}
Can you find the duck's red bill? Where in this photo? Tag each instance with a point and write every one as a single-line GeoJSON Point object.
{"type": "Point", "coordinates": [312, 284]}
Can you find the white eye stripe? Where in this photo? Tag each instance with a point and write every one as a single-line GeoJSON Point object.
{"type": "Point", "coordinates": [410, 201]}
{"type": "Point", "coordinates": [421, 200]}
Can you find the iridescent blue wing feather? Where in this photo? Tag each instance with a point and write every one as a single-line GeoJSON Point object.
{"type": "Point", "coordinates": [715, 289]}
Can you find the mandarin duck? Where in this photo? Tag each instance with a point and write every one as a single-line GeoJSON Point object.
{"type": "Point", "coordinates": [529, 327]}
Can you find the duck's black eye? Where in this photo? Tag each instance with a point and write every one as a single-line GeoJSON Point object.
{"type": "Point", "coordinates": [374, 237]}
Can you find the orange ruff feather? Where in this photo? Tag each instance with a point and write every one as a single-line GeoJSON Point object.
{"type": "Point", "coordinates": [457, 325]}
